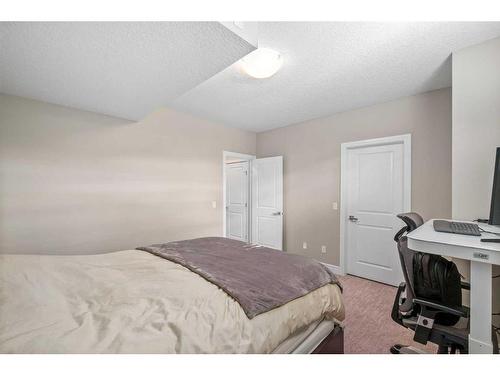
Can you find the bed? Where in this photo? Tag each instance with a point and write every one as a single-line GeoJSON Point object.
{"type": "Point", "coordinates": [134, 301]}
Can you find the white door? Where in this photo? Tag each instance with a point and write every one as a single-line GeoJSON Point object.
{"type": "Point", "coordinates": [267, 202]}
{"type": "Point", "coordinates": [375, 195]}
{"type": "Point", "coordinates": [237, 201]}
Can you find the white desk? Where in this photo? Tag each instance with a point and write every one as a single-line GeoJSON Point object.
{"type": "Point", "coordinates": [482, 255]}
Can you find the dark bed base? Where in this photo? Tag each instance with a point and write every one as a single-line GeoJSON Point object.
{"type": "Point", "coordinates": [332, 344]}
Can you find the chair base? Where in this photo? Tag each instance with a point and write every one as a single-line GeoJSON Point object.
{"type": "Point", "coordinates": [406, 349]}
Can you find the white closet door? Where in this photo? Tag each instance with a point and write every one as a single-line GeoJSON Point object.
{"type": "Point", "coordinates": [267, 202]}
{"type": "Point", "coordinates": [237, 201]}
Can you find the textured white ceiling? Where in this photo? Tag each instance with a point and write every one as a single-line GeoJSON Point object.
{"type": "Point", "coordinates": [130, 69]}
{"type": "Point", "coordinates": [120, 69]}
{"type": "Point", "coordinates": [333, 67]}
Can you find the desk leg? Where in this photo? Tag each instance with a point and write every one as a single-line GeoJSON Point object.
{"type": "Point", "coordinates": [480, 308]}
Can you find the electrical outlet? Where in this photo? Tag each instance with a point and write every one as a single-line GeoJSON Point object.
{"type": "Point", "coordinates": [335, 206]}
{"type": "Point", "coordinates": [323, 249]}
{"type": "Point", "coordinates": [304, 245]}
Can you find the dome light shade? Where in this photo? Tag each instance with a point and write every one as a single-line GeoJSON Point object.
{"type": "Point", "coordinates": [262, 63]}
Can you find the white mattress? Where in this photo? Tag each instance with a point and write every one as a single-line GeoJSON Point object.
{"type": "Point", "coordinates": [134, 302]}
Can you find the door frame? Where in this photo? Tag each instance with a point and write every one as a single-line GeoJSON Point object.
{"type": "Point", "coordinates": [248, 158]}
{"type": "Point", "coordinates": [405, 140]}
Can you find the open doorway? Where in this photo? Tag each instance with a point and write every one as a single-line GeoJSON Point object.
{"type": "Point", "coordinates": [253, 199]}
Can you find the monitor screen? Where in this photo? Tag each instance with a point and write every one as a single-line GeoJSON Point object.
{"type": "Point", "coordinates": [495, 195]}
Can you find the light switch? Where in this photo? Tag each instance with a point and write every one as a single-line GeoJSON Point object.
{"type": "Point", "coordinates": [323, 249]}
{"type": "Point", "coordinates": [304, 245]}
{"type": "Point", "coordinates": [214, 204]}
{"type": "Point", "coordinates": [335, 206]}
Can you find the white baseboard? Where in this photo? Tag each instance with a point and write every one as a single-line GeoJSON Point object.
{"type": "Point", "coordinates": [335, 269]}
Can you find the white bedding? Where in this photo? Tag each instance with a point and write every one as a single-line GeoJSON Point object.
{"type": "Point", "coordinates": [134, 302]}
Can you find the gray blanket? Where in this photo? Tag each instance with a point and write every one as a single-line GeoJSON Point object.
{"type": "Point", "coordinates": [258, 278]}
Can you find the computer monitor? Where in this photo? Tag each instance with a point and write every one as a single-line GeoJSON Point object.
{"type": "Point", "coordinates": [495, 195]}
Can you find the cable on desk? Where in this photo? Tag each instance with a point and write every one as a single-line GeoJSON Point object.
{"type": "Point", "coordinates": [487, 231]}
{"type": "Point", "coordinates": [482, 221]}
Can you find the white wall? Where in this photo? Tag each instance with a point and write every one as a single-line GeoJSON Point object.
{"type": "Point", "coordinates": [476, 135]}
{"type": "Point", "coordinates": [476, 128]}
{"type": "Point", "coordinates": [79, 182]}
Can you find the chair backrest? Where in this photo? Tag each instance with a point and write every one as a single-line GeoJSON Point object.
{"type": "Point", "coordinates": [412, 221]}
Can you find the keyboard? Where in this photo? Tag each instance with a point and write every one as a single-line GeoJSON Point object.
{"type": "Point", "coordinates": [456, 227]}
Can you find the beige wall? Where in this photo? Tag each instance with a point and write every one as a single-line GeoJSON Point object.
{"type": "Point", "coordinates": [79, 182]}
{"type": "Point", "coordinates": [312, 164]}
{"type": "Point", "coordinates": [476, 135]}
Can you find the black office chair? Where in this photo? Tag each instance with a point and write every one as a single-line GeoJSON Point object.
{"type": "Point", "coordinates": [419, 314]}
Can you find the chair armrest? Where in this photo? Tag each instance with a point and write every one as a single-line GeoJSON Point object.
{"type": "Point", "coordinates": [465, 285]}
{"type": "Point", "coordinates": [441, 308]}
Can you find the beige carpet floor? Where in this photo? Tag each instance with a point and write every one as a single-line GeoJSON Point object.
{"type": "Point", "coordinates": [368, 324]}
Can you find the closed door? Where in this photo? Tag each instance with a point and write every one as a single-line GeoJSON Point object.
{"type": "Point", "coordinates": [267, 202]}
{"type": "Point", "coordinates": [237, 201]}
{"type": "Point", "coordinates": [375, 192]}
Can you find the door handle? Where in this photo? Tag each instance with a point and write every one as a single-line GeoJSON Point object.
{"type": "Point", "coordinates": [278, 213]}
{"type": "Point", "coordinates": [353, 218]}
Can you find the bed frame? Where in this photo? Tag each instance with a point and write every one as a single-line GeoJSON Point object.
{"type": "Point", "coordinates": [332, 344]}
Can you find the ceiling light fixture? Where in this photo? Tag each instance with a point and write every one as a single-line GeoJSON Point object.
{"type": "Point", "coordinates": [262, 63]}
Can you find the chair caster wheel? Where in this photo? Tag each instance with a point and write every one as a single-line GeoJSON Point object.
{"type": "Point", "coordinates": [396, 349]}
{"type": "Point", "coordinates": [406, 349]}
